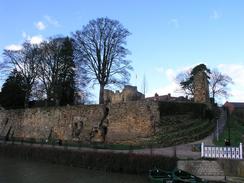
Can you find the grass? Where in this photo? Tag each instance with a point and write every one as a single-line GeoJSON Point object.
{"type": "Point", "coordinates": [236, 132]}
{"type": "Point", "coordinates": [181, 129]}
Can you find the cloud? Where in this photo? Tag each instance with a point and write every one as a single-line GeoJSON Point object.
{"type": "Point", "coordinates": [237, 95]}
{"type": "Point", "coordinates": [40, 25]}
{"type": "Point", "coordinates": [171, 74]}
{"type": "Point", "coordinates": [172, 87]}
{"type": "Point", "coordinates": [52, 21]}
{"type": "Point", "coordinates": [215, 15]}
{"type": "Point", "coordinates": [35, 39]}
{"type": "Point", "coordinates": [174, 22]}
{"type": "Point", "coordinates": [32, 39]}
{"type": "Point", "coordinates": [14, 47]}
{"type": "Point", "coordinates": [235, 71]}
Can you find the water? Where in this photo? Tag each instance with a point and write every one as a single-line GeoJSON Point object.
{"type": "Point", "coordinates": [21, 171]}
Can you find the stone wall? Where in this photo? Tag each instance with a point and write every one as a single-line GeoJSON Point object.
{"type": "Point", "coordinates": [136, 118]}
{"type": "Point", "coordinates": [201, 88]}
{"type": "Point", "coordinates": [201, 167]}
{"type": "Point", "coordinates": [124, 121]}
{"type": "Point", "coordinates": [53, 122]}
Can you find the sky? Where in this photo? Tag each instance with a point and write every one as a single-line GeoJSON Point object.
{"type": "Point", "coordinates": [167, 36]}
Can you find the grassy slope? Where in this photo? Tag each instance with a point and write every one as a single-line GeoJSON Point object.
{"type": "Point", "coordinates": [236, 132]}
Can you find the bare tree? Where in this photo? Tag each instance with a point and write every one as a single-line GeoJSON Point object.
{"type": "Point", "coordinates": [144, 84]}
{"type": "Point", "coordinates": [219, 84]}
{"type": "Point", "coordinates": [25, 62]}
{"type": "Point", "coordinates": [99, 46]}
{"type": "Point", "coordinates": [56, 69]}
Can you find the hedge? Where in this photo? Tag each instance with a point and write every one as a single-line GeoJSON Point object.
{"type": "Point", "coordinates": [107, 161]}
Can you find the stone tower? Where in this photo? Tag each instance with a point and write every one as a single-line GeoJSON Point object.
{"type": "Point", "coordinates": [201, 88]}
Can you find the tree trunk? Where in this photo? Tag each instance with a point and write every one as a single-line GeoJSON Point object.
{"type": "Point", "coordinates": [213, 97]}
{"type": "Point", "coordinates": [27, 96]}
{"type": "Point", "coordinates": [101, 94]}
{"type": "Point", "coordinates": [26, 100]}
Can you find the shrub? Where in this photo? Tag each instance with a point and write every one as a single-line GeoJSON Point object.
{"type": "Point", "coordinates": [114, 162]}
{"type": "Point", "coordinates": [176, 108]}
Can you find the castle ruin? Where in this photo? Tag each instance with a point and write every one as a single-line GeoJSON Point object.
{"type": "Point", "coordinates": [129, 93]}
{"type": "Point", "coordinates": [201, 88]}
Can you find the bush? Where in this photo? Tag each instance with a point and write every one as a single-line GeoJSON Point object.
{"type": "Point", "coordinates": [114, 162]}
{"type": "Point", "coordinates": [175, 108]}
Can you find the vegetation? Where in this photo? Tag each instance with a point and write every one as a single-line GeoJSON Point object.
{"type": "Point", "coordinates": [47, 71]}
{"type": "Point", "coordinates": [182, 123]}
{"type": "Point", "coordinates": [58, 70]}
{"type": "Point", "coordinates": [173, 108]}
{"type": "Point", "coordinates": [186, 79]}
{"type": "Point", "coordinates": [218, 82]}
{"type": "Point", "coordinates": [112, 162]}
{"type": "Point", "coordinates": [236, 125]}
{"type": "Point", "coordinates": [100, 48]}
{"type": "Point", "coordinates": [180, 129]}
{"type": "Point", "coordinates": [13, 91]}
{"type": "Point", "coordinates": [25, 61]}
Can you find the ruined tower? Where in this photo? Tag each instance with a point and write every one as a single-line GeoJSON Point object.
{"type": "Point", "coordinates": [201, 88]}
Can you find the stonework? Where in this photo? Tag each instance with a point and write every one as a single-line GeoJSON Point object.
{"type": "Point", "coordinates": [137, 119]}
{"type": "Point", "coordinates": [129, 93]}
{"type": "Point", "coordinates": [201, 88]}
{"type": "Point", "coordinates": [86, 123]}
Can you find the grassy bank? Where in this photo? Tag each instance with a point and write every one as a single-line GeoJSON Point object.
{"type": "Point", "coordinates": [107, 161]}
{"type": "Point", "coordinates": [236, 127]}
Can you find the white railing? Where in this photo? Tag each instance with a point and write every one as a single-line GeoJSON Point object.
{"type": "Point", "coordinates": [227, 152]}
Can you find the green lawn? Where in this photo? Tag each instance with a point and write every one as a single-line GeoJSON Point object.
{"type": "Point", "coordinates": [236, 132]}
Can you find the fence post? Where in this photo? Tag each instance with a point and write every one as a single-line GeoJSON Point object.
{"type": "Point", "coordinates": [202, 149]}
{"type": "Point", "coordinates": [240, 150]}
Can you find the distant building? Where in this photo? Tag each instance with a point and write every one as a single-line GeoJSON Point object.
{"type": "Point", "coordinates": [234, 106]}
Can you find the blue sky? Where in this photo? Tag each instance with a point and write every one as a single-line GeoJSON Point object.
{"type": "Point", "coordinates": [168, 36]}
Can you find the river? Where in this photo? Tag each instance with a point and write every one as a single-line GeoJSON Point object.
{"type": "Point", "coordinates": [22, 171]}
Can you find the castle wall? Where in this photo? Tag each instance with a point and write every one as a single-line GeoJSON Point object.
{"type": "Point", "coordinates": [39, 122]}
{"type": "Point", "coordinates": [132, 120]}
{"type": "Point", "coordinates": [126, 121]}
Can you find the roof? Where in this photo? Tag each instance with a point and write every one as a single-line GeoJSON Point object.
{"type": "Point", "coordinates": [237, 105]}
